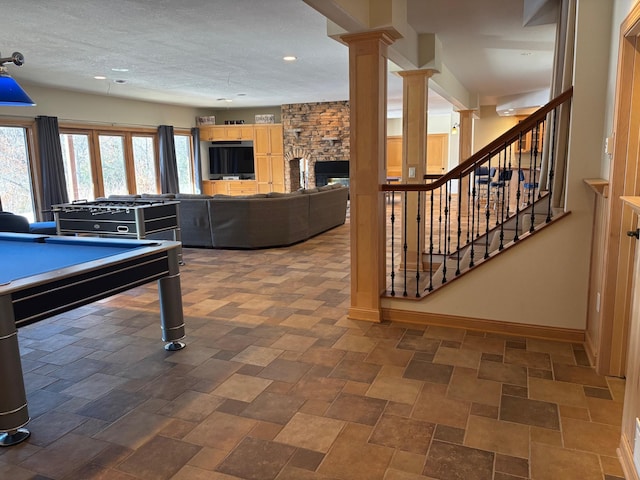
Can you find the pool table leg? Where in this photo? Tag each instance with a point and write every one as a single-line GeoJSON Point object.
{"type": "Point", "coordinates": [14, 414]}
{"type": "Point", "coordinates": [171, 316]}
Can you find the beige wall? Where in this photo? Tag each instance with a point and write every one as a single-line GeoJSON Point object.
{"type": "Point", "coordinates": [79, 107]}
{"type": "Point", "coordinates": [246, 114]}
{"type": "Point", "coordinates": [489, 126]}
{"type": "Point", "coordinates": [561, 280]}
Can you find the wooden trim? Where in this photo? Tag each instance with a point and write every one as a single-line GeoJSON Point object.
{"type": "Point", "coordinates": [364, 314]}
{"type": "Point", "coordinates": [590, 348]}
{"type": "Point", "coordinates": [480, 324]}
{"type": "Point", "coordinates": [625, 455]}
{"type": "Point", "coordinates": [598, 185]}
{"type": "Point", "coordinates": [105, 128]}
{"type": "Point", "coordinates": [618, 250]}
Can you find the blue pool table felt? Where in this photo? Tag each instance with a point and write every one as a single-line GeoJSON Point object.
{"type": "Point", "coordinates": [23, 255]}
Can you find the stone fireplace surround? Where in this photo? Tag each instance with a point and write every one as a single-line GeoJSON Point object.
{"type": "Point", "coordinates": [315, 132]}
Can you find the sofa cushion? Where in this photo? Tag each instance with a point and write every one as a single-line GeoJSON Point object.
{"type": "Point", "coordinates": [327, 209]}
{"type": "Point", "coordinates": [159, 196]}
{"type": "Point", "coordinates": [249, 197]}
{"type": "Point", "coordinates": [192, 196]}
{"type": "Point", "coordinates": [283, 194]}
{"type": "Point", "coordinates": [10, 222]}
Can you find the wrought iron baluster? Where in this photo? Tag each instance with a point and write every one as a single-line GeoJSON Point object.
{"type": "Point", "coordinates": [447, 219]}
{"type": "Point", "coordinates": [418, 247]}
{"type": "Point", "coordinates": [508, 149]}
{"type": "Point", "coordinates": [459, 223]}
{"type": "Point", "coordinates": [440, 220]}
{"type": "Point", "coordinates": [393, 250]}
{"type": "Point", "coordinates": [469, 231]}
{"type": "Point", "coordinates": [473, 218]}
{"type": "Point", "coordinates": [518, 190]}
{"type": "Point", "coordinates": [487, 214]}
{"type": "Point", "coordinates": [503, 187]}
{"type": "Point", "coordinates": [533, 167]}
{"type": "Point", "coordinates": [430, 288]}
{"type": "Point", "coordinates": [405, 246]}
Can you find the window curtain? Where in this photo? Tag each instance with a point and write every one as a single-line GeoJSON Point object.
{"type": "Point", "coordinates": [168, 164]}
{"type": "Point", "coordinates": [197, 168]}
{"type": "Point", "coordinates": [54, 187]}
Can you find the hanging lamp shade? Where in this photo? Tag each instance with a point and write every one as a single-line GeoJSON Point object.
{"type": "Point", "coordinates": [12, 94]}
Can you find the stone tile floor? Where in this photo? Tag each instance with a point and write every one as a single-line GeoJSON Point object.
{"type": "Point", "coordinates": [276, 383]}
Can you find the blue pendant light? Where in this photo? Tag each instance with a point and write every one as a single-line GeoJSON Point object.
{"type": "Point", "coordinates": [12, 94]}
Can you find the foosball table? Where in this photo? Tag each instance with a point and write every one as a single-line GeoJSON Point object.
{"type": "Point", "coordinates": [137, 218]}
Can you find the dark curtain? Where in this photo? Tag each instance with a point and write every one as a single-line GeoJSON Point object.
{"type": "Point", "coordinates": [168, 164]}
{"type": "Point", "coordinates": [54, 188]}
{"type": "Point", "coordinates": [197, 168]}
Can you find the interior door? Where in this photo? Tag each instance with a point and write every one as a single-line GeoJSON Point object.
{"type": "Point", "coordinates": [437, 154]}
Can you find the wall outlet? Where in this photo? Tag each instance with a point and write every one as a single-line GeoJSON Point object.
{"type": "Point", "coordinates": [412, 172]}
{"type": "Point", "coordinates": [608, 145]}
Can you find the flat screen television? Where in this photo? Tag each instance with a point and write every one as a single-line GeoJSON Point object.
{"type": "Point", "coordinates": [231, 160]}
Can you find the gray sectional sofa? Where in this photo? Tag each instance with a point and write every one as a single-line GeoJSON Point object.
{"type": "Point", "coordinates": [261, 220]}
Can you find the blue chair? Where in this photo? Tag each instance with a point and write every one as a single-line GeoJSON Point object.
{"type": "Point", "coordinates": [528, 187]}
{"type": "Point", "coordinates": [483, 176]}
{"type": "Point", "coordinates": [500, 185]}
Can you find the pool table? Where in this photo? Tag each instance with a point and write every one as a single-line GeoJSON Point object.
{"type": "Point", "coordinates": [42, 275]}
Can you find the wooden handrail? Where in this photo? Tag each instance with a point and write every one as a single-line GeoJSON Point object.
{"type": "Point", "coordinates": [491, 149]}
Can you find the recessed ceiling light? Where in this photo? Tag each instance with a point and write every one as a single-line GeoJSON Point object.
{"type": "Point", "coordinates": [119, 69]}
{"type": "Point", "coordinates": [242, 94]}
{"type": "Point", "coordinates": [289, 58]}
{"type": "Point", "coordinates": [100, 77]}
{"type": "Point", "coordinates": [120, 81]}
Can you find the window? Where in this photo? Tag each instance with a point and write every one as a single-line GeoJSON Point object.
{"type": "Point", "coordinates": [76, 156]}
{"type": "Point", "coordinates": [97, 163]}
{"type": "Point", "coordinates": [114, 173]}
{"type": "Point", "coordinates": [15, 174]}
{"type": "Point", "coordinates": [144, 161]}
{"type": "Point", "coordinates": [184, 163]}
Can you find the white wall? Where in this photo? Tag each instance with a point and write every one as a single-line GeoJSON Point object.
{"type": "Point", "coordinates": [71, 106]}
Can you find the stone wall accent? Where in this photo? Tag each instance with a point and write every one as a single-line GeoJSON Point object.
{"type": "Point", "coordinates": [319, 131]}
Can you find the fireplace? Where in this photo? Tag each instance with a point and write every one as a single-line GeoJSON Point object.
{"type": "Point", "coordinates": [336, 171]}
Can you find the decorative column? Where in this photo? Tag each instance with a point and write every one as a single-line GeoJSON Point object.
{"type": "Point", "coordinates": [465, 143]}
{"type": "Point", "coordinates": [415, 99]}
{"type": "Point", "coordinates": [368, 101]}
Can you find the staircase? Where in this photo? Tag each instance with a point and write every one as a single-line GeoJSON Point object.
{"type": "Point", "coordinates": [496, 199]}
{"type": "Point", "coordinates": [487, 246]}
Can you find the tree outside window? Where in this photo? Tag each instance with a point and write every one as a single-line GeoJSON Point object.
{"type": "Point", "coordinates": [15, 175]}
{"type": "Point", "coordinates": [184, 163]}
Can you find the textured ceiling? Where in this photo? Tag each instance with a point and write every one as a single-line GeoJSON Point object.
{"type": "Point", "coordinates": [202, 53]}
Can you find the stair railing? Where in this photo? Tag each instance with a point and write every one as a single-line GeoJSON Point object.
{"type": "Point", "coordinates": [467, 216]}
